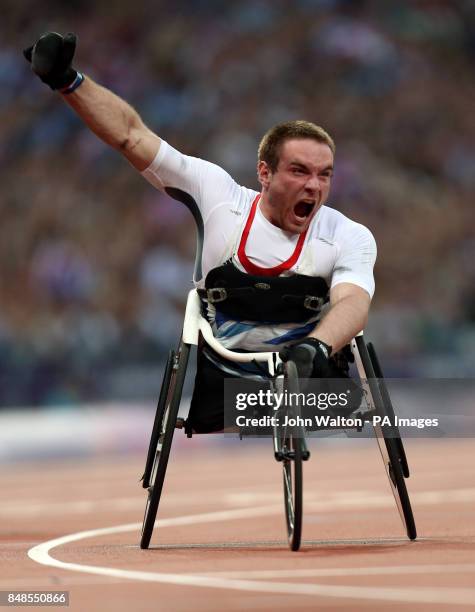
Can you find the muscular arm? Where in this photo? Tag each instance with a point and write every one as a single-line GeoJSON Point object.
{"type": "Point", "coordinates": [115, 122]}
{"type": "Point", "coordinates": [348, 315]}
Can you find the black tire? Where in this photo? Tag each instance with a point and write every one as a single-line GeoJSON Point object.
{"type": "Point", "coordinates": [164, 443]}
{"type": "Point", "coordinates": [388, 447]}
{"type": "Point", "coordinates": [388, 406]}
{"type": "Point", "coordinates": [291, 444]}
{"type": "Point", "coordinates": [157, 423]}
{"type": "Point", "coordinates": [390, 456]}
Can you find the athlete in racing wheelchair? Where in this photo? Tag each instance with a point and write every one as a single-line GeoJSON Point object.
{"type": "Point", "coordinates": [313, 263]}
{"type": "Point", "coordinates": [300, 360]}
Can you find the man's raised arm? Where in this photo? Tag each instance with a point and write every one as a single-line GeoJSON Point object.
{"type": "Point", "coordinates": [112, 119]}
{"type": "Point", "coordinates": [115, 122]}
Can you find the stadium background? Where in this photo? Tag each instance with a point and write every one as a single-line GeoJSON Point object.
{"type": "Point", "coordinates": [95, 264]}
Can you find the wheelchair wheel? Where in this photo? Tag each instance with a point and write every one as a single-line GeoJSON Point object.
{"type": "Point", "coordinates": [157, 424]}
{"type": "Point", "coordinates": [388, 447]}
{"type": "Point", "coordinates": [388, 407]}
{"type": "Point", "coordinates": [164, 437]}
{"type": "Point", "coordinates": [390, 455]}
{"type": "Point", "coordinates": [291, 448]}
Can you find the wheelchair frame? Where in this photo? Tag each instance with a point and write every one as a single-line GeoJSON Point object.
{"type": "Point", "coordinates": [289, 445]}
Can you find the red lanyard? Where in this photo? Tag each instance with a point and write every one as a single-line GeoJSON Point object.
{"type": "Point", "coordinates": [257, 270]}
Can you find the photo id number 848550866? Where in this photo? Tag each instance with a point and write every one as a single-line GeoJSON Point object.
{"type": "Point", "coordinates": [34, 598]}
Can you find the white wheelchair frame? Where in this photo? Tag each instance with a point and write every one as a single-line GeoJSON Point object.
{"type": "Point", "coordinates": [289, 445]}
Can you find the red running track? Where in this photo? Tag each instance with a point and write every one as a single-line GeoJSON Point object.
{"type": "Point", "coordinates": [222, 541]}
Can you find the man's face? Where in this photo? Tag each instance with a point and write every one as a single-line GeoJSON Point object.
{"type": "Point", "coordinates": [292, 195]}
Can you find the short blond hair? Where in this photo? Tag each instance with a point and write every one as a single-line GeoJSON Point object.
{"type": "Point", "coordinates": [272, 141]}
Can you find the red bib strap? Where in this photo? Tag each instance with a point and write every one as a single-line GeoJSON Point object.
{"type": "Point", "coordinates": [257, 270]}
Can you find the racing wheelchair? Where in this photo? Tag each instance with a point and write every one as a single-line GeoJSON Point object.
{"type": "Point", "coordinates": [289, 442]}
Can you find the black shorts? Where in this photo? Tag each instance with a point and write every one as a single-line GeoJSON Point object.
{"type": "Point", "coordinates": [207, 403]}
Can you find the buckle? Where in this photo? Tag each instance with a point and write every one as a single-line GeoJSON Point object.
{"type": "Point", "coordinates": [313, 303]}
{"type": "Point", "coordinates": [218, 294]}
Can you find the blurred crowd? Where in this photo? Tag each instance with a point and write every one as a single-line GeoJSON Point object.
{"type": "Point", "coordinates": [95, 264]}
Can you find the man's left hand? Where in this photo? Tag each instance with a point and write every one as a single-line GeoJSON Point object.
{"type": "Point", "coordinates": [310, 356]}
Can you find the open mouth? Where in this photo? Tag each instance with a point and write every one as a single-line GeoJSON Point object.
{"type": "Point", "coordinates": [303, 209]}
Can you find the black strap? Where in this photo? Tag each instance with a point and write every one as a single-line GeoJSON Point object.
{"type": "Point", "coordinates": [281, 299]}
{"type": "Point", "coordinates": [220, 294]}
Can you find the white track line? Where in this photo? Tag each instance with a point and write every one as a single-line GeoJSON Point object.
{"type": "Point", "coordinates": [40, 554]}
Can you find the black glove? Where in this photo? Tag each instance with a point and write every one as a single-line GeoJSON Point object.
{"type": "Point", "coordinates": [310, 356]}
{"type": "Point", "coordinates": [51, 58]}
